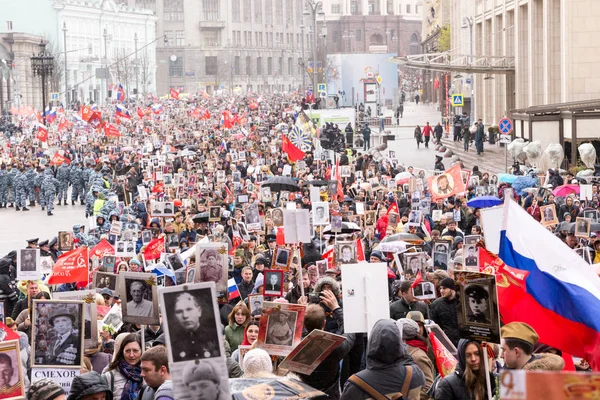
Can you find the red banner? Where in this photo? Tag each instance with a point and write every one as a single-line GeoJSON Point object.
{"type": "Point", "coordinates": [174, 94]}
{"type": "Point", "coordinates": [42, 133]}
{"type": "Point", "coordinates": [111, 130]}
{"type": "Point", "coordinates": [293, 153]}
{"type": "Point", "coordinates": [154, 249]}
{"type": "Point", "coordinates": [70, 267]}
{"type": "Point", "coordinates": [445, 361]}
{"type": "Point", "coordinates": [101, 249]}
{"type": "Point", "coordinates": [447, 184]}
{"type": "Point", "coordinates": [57, 159]}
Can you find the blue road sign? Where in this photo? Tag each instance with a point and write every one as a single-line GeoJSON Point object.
{"type": "Point", "coordinates": [458, 100]}
{"type": "Point", "coordinates": [505, 126]}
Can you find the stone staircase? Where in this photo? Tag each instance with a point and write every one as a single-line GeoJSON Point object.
{"type": "Point", "coordinates": [492, 159]}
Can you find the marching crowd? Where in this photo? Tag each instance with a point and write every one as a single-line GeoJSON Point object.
{"type": "Point", "coordinates": [205, 152]}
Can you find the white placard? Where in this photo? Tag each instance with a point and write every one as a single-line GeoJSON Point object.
{"type": "Point", "coordinates": [62, 376]}
{"type": "Point", "coordinates": [365, 295]}
{"type": "Point", "coordinates": [585, 192]}
{"type": "Point", "coordinates": [315, 194]}
{"type": "Point", "coordinates": [491, 223]}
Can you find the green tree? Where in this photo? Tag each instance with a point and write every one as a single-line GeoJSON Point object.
{"type": "Point", "coordinates": [444, 39]}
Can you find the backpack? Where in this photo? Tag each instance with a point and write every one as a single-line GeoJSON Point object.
{"type": "Point", "coordinates": [376, 395]}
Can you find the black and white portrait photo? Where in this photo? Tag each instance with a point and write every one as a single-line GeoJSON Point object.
{"type": "Point", "coordinates": [471, 256]}
{"type": "Point", "coordinates": [320, 213]}
{"type": "Point", "coordinates": [168, 209]}
{"type": "Point", "coordinates": [65, 241]}
{"type": "Point", "coordinates": [582, 227]}
{"type": "Point", "coordinates": [424, 291]}
{"type": "Point", "coordinates": [125, 248]}
{"type": "Point", "coordinates": [214, 214]}
{"type": "Point", "coordinates": [28, 261]}
{"type": "Point", "coordinates": [201, 379]}
{"type": "Point", "coordinates": [90, 313]}
{"type": "Point", "coordinates": [549, 215]}
{"type": "Point", "coordinates": [146, 237]}
{"type": "Point", "coordinates": [412, 263]}
{"type": "Point", "coordinates": [277, 216]}
{"type": "Point", "coordinates": [282, 258]}
{"type": "Point", "coordinates": [172, 241]}
{"type": "Point", "coordinates": [212, 264]}
{"type": "Point", "coordinates": [139, 298]}
{"type": "Point", "coordinates": [477, 298]}
{"type": "Point", "coordinates": [192, 326]}
{"type": "Point", "coordinates": [108, 263]}
{"type": "Point", "coordinates": [57, 332]}
{"type": "Point", "coordinates": [11, 371]}
{"type": "Point", "coordinates": [252, 217]}
{"type": "Point", "coordinates": [414, 218]}
{"type": "Point", "coordinates": [280, 328]}
{"type": "Point", "coordinates": [273, 285]}
{"type": "Point", "coordinates": [265, 193]}
{"type": "Point", "coordinates": [478, 314]}
{"type": "Point", "coordinates": [336, 223]}
{"type": "Point", "coordinates": [345, 252]}
{"type": "Point", "coordinates": [156, 208]}
{"type": "Point", "coordinates": [255, 304]}
{"type": "Point", "coordinates": [190, 275]}
{"type": "Point", "coordinates": [174, 261]}
{"type": "Point", "coordinates": [105, 280]}
{"type": "Point", "coordinates": [332, 188]}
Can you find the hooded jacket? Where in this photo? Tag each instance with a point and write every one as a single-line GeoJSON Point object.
{"type": "Point", "coordinates": [89, 383]}
{"type": "Point", "coordinates": [453, 386]}
{"type": "Point", "coordinates": [330, 324]}
{"type": "Point", "coordinates": [387, 360]}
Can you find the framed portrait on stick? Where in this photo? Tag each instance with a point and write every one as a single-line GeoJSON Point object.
{"type": "Point", "coordinates": [193, 325]}
{"type": "Point", "coordinates": [13, 386]}
{"type": "Point", "coordinates": [139, 296]}
{"type": "Point", "coordinates": [280, 327]}
{"type": "Point", "coordinates": [90, 314]}
{"type": "Point", "coordinates": [28, 264]}
{"type": "Point", "coordinates": [311, 351]}
{"type": "Point", "coordinates": [57, 333]}
{"type": "Point", "coordinates": [212, 263]}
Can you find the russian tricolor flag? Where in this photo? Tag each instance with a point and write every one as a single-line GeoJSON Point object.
{"type": "Point", "coordinates": [232, 289]}
{"type": "Point", "coordinates": [157, 108]}
{"type": "Point", "coordinates": [120, 93]}
{"type": "Point", "coordinates": [562, 291]}
{"type": "Point", "coordinates": [50, 115]}
{"type": "Point", "coordinates": [122, 112]}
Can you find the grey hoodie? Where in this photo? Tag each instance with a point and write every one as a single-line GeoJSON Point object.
{"type": "Point", "coordinates": [386, 364]}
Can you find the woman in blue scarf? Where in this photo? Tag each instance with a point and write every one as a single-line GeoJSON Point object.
{"type": "Point", "coordinates": [124, 374]}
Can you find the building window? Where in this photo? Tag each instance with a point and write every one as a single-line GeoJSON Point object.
{"type": "Point", "coordinates": [269, 65]}
{"type": "Point", "coordinates": [354, 7]}
{"type": "Point", "coordinates": [247, 11]}
{"type": "Point", "coordinates": [336, 36]}
{"type": "Point", "coordinates": [173, 10]}
{"type": "Point", "coordinates": [211, 67]}
{"type": "Point", "coordinates": [258, 11]}
{"type": "Point", "coordinates": [408, 8]}
{"type": "Point", "coordinates": [258, 65]}
{"type": "Point", "coordinates": [248, 65]}
{"type": "Point", "coordinates": [359, 35]}
{"type": "Point", "coordinates": [236, 65]}
{"type": "Point", "coordinates": [269, 11]}
{"type": "Point", "coordinates": [236, 11]}
{"type": "Point", "coordinates": [211, 38]}
{"type": "Point", "coordinates": [290, 66]}
{"type": "Point", "coordinates": [280, 66]}
{"type": "Point", "coordinates": [211, 10]}
{"type": "Point", "coordinates": [179, 38]}
{"type": "Point", "coordinates": [176, 67]}
{"type": "Point", "coordinates": [336, 9]}
{"type": "Point", "coordinates": [169, 38]}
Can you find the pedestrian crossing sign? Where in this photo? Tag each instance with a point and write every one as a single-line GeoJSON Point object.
{"type": "Point", "coordinates": [458, 100]}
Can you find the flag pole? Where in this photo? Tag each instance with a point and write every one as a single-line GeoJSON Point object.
{"type": "Point", "coordinates": [487, 370]}
{"type": "Point", "coordinates": [301, 279]}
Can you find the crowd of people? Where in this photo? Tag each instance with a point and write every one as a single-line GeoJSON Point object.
{"type": "Point", "coordinates": [210, 159]}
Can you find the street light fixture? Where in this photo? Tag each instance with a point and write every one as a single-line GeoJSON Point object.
{"type": "Point", "coordinates": [468, 23]}
{"type": "Point", "coordinates": [66, 71]}
{"type": "Point", "coordinates": [42, 65]}
{"type": "Point", "coordinates": [312, 8]}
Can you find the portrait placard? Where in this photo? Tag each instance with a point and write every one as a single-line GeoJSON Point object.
{"type": "Point", "coordinates": [311, 351]}
{"type": "Point", "coordinates": [320, 213]}
{"type": "Point", "coordinates": [125, 248]}
{"type": "Point", "coordinates": [193, 325]}
{"type": "Point", "coordinates": [139, 298]}
{"type": "Point", "coordinates": [441, 254]}
{"type": "Point", "coordinates": [274, 283]}
{"type": "Point", "coordinates": [214, 214]}
{"type": "Point", "coordinates": [65, 241]}
{"type": "Point", "coordinates": [28, 265]}
{"type": "Point", "coordinates": [478, 313]}
{"type": "Point", "coordinates": [212, 264]}
{"type": "Point", "coordinates": [190, 379]}
{"type": "Point", "coordinates": [582, 227]}
{"type": "Point", "coordinates": [57, 333]}
{"type": "Point", "coordinates": [113, 318]}
{"type": "Point", "coordinates": [280, 327]}
{"type": "Point", "coordinates": [105, 280]}
{"type": "Point", "coordinates": [424, 291]}
{"type": "Point", "coordinates": [90, 314]}
{"type": "Point", "coordinates": [13, 386]}
{"type": "Point", "coordinates": [345, 252]}
{"type": "Point", "coordinates": [413, 263]}
{"type": "Point", "coordinates": [255, 302]}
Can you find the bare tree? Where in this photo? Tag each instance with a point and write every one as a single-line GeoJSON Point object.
{"type": "Point", "coordinates": [123, 69]}
{"type": "Point", "coordinates": [145, 72]}
{"type": "Point", "coordinates": [58, 63]}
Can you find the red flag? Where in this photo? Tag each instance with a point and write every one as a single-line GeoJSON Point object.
{"type": "Point", "coordinates": [86, 113]}
{"type": "Point", "coordinates": [9, 334]}
{"type": "Point", "coordinates": [236, 243]}
{"type": "Point", "coordinates": [38, 116]}
{"type": "Point", "coordinates": [111, 130]}
{"type": "Point", "coordinates": [293, 153]}
{"type": "Point", "coordinates": [253, 105]}
{"type": "Point", "coordinates": [140, 112]}
{"type": "Point", "coordinates": [393, 208]}
{"type": "Point", "coordinates": [64, 124]}
{"type": "Point", "coordinates": [445, 361]}
{"type": "Point", "coordinates": [42, 133]}
{"type": "Point", "coordinates": [360, 252]}
{"type": "Point", "coordinates": [174, 94]}
{"type": "Point", "coordinates": [196, 113]}
{"type": "Point", "coordinates": [155, 248]}
{"type": "Point", "coordinates": [227, 120]}
{"type": "Point", "coordinates": [70, 267]}
{"type": "Point", "coordinates": [280, 236]}
{"type": "Point", "coordinates": [447, 184]}
{"type": "Point", "coordinates": [57, 159]}
{"type": "Point", "coordinates": [329, 255]}
{"type": "Point", "coordinates": [418, 279]}
{"type": "Point", "coordinates": [206, 114]}
{"type": "Point", "coordinates": [101, 249]}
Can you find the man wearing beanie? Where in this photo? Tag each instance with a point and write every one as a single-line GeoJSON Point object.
{"type": "Point", "coordinates": [518, 341]}
{"type": "Point", "coordinates": [46, 389]}
{"type": "Point", "coordinates": [444, 310]}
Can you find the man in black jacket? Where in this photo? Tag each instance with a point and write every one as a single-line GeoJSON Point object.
{"type": "Point", "coordinates": [444, 311]}
{"type": "Point", "coordinates": [407, 303]}
{"type": "Point", "coordinates": [8, 291]}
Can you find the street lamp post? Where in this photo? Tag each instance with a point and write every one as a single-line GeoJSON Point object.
{"type": "Point", "coordinates": [42, 66]}
{"type": "Point", "coordinates": [137, 67]}
{"type": "Point", "coordinates": [105, 34]}
{"type": "Point", "coordinates": [468, 23]}
{"type": "Point", "coordinates": [66, 72]}
{"type": "Point", "coordinates": [312, 7]}
{"type": "Point", "coordinates": [325, 68]}
{"type": "Point", "coordinates": [303, 65]}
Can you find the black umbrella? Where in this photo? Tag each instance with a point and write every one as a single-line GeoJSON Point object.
{"type": "Point", "coordinates": [281, 183]}
{"type": "Point", "coordinates": [200, 217]}
{"type": "Point", "coordinates": [318, 182]}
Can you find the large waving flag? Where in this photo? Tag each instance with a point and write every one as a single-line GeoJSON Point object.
{"type": "Point", "coordinates": [121, 111]}
{"type": "Point", "coordinates": [293, 153]}
{"type": "Point", "coordinates": [120, 93]}
{"type": "Point", "coordinates": [564, 286]}
{"type": "Point", "coordinates": [70, 267]}
{"type": "Point", "coordinates": [42, 133]}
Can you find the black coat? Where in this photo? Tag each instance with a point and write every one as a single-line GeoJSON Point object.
{"type": "Point", "coordinates": [89, 383]}
{"type": "Point", "coordinates": [400, 308]}
{"type": "Point", "coordinates": [445, 313]}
